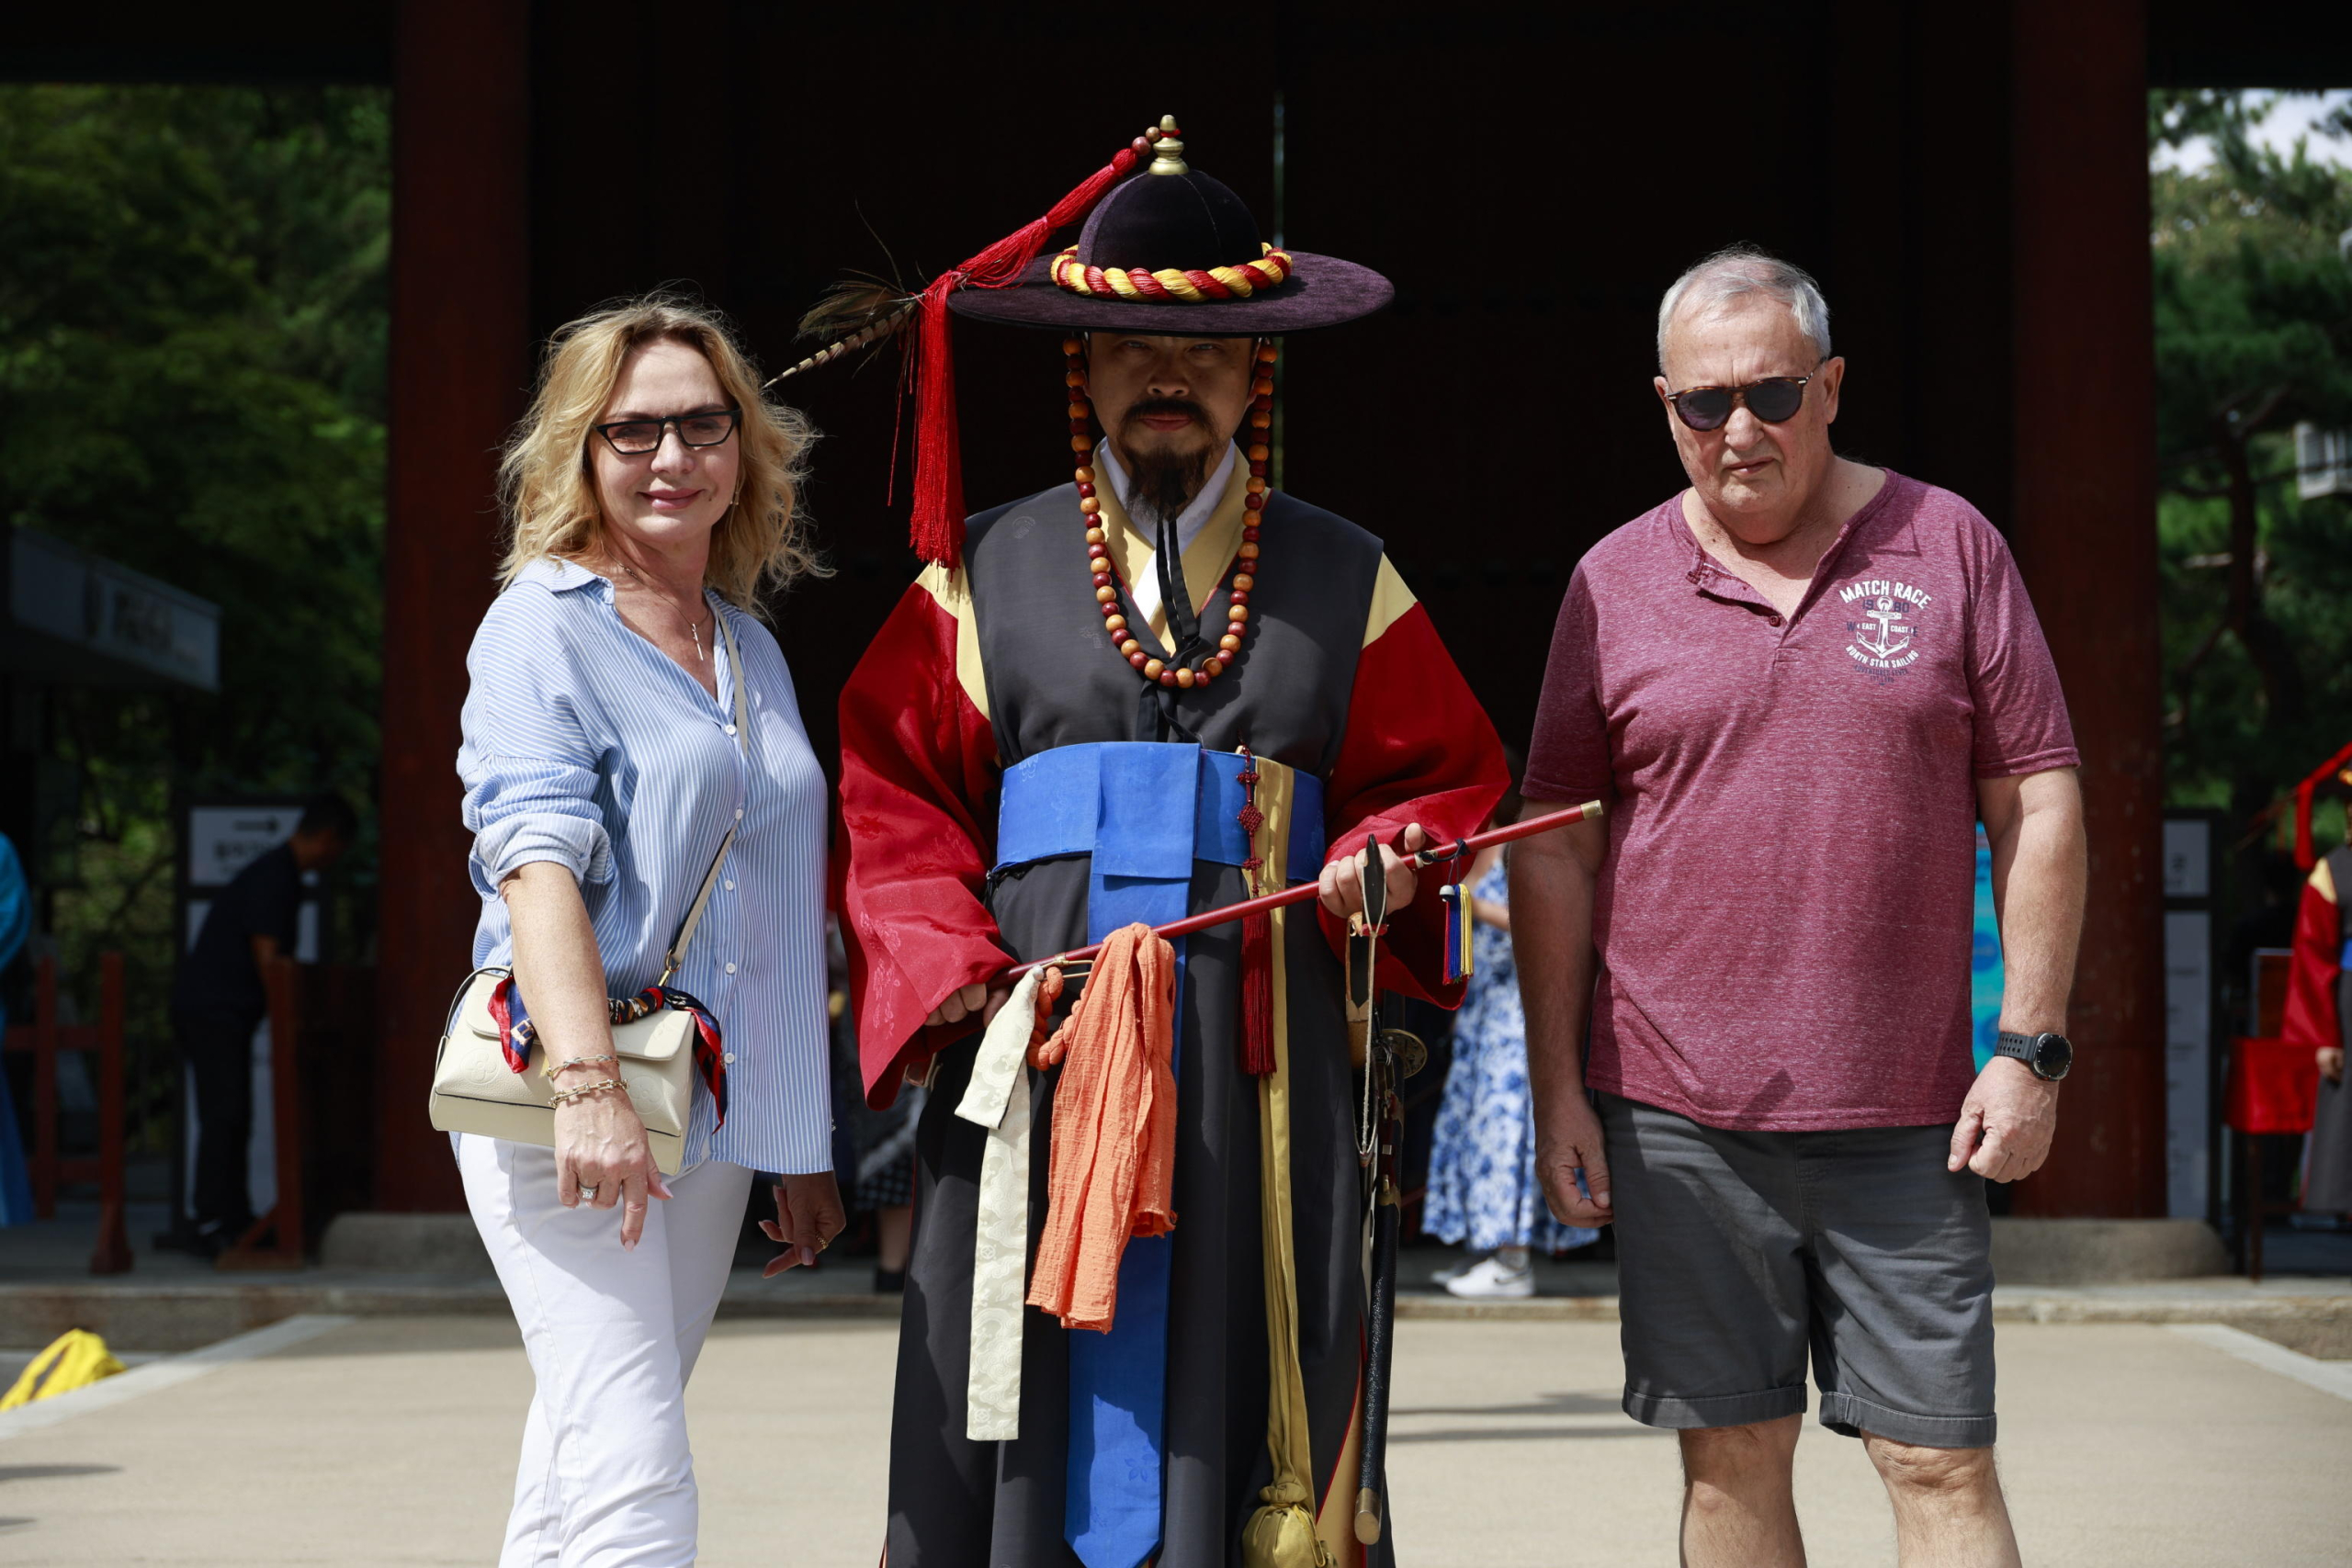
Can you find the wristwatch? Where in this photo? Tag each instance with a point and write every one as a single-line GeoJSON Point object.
{"type": "Point", "coordinates": [2050, 1056]}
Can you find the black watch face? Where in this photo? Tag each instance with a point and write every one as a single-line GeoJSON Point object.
{"type": "Point", "coordinates": [2052, 1056]}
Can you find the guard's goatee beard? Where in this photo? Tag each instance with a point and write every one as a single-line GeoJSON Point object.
{"type": "Point", "coordinates": [1164, 483]}
{"type": "Point", "coordinates": [1161, 483]}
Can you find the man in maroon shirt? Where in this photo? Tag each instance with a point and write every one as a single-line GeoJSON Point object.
{"type": "Point", "coordinates": [1801, 682]}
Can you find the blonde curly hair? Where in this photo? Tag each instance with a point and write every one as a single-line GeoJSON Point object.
{"type": "Point", "coordinates": [548, 491]}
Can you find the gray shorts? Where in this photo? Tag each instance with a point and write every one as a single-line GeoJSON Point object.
{"type": "Point", "coordinates": [1738, 1253]}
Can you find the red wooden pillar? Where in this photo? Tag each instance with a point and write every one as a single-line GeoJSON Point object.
{"type": "Point", "coordinates": [460, 364]}
{"type": "Point", "coordinates": [2085, 506]}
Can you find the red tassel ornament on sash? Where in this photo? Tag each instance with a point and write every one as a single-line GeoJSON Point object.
{"type": "Point", "coordinates": [936, 531]}
{"type": "Point", "coordinates": [1258, 994]}
{"type": "Point", "coordinates": [1257, 938]}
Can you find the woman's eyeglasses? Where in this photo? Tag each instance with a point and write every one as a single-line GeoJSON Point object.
{"type": "Point", "coordinates": [636, 438]}
{"type": "Point", "coordinates": [1773, 400]}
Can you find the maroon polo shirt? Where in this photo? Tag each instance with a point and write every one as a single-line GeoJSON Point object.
{"type": "Point", "coordinates": [1785, 916]}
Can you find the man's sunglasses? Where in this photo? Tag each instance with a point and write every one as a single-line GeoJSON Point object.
{"type": "Point", "coordinates": [636, 438]}
{"type": "Point", "coordinates": [1773, 400]}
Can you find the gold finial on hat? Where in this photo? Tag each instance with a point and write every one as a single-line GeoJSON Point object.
{"type": "Point", "coordinates": [1171, 149]}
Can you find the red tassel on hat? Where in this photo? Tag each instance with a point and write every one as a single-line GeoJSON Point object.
{"type": "Point", "coordinates": [937, 529]}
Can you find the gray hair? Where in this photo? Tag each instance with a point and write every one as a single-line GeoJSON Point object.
{"type": "Point", "coordinates": [1743, 269]}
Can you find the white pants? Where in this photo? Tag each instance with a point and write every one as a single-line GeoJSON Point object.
{"type": "Point", "coordinates": [606, 1478]}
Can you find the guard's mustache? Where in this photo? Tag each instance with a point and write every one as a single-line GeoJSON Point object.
{"type": "Point", "coordinates": [1150, 406]}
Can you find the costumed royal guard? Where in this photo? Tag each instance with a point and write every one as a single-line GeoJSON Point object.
{"type": "Point", "coordinates": [2319, 1014]}
{"type": "Point", "coordinates": [1157, 688]}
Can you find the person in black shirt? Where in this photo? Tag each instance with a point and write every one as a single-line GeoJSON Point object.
{"type": "Point", "coordinates": [217, 1001]}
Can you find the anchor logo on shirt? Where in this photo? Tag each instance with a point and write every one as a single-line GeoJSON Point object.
{"type": "Point", "coordinates": [1892, 637]}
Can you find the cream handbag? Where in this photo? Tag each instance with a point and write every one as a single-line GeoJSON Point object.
{"type": "Point", "coordinates": [655, 1034]}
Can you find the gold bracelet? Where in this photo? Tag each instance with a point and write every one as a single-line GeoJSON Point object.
{"type": "Point", "coordinates": [565, 1095]}
{"type": "Point", "coordinates": [553, 1067]}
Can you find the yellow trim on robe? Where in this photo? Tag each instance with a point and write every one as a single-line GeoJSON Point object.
{"type": "Point", "coordinates": [1390, 600]}
{"type": "Point", "coordinates": [2324, 880]}
{"type": "Point", "coordinates": [950, 591]}
{"type": "Point", "coordinates": [1205, 558]}
{"type": "Point", "coordinates": [1282, 1532]}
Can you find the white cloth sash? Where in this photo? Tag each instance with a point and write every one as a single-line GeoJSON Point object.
{"type": "Point", "coordinates": [997, 1099]}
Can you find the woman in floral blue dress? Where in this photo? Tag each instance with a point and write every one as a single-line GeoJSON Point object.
{"type": "Point", "coordinates": [1482, 1157]}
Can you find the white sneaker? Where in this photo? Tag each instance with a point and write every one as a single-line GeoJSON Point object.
{"type": "Point", "coordinates": [1494, 1280]}
{"type": "Point", "coordinates": [1455, 1270]}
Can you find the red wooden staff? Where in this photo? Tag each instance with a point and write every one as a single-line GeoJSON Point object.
{"type": "Point", "coordinates": [1528, 828]}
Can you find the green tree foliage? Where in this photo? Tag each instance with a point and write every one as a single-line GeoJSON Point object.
{"type": "Point", "coordinates": [193, 323]}
{"type": "Point", "coordinates": [2254, 333]}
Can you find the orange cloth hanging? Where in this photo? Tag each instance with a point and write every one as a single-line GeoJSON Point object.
{"type": "Point", "coordinates": [1115, 1128]}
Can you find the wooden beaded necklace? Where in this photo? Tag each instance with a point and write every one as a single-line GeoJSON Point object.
{"type": "Point", "coordinates": [1246, 569]}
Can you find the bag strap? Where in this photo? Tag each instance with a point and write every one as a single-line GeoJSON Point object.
{"type": "Point", "coordinates": [671, 959]}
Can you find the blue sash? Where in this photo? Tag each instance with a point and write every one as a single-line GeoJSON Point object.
{"type": "Point", "coordinates": [1113, 800]}
{"type": "Point", "coordinates": [1122, 803]}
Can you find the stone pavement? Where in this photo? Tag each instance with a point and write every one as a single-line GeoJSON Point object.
{"type": "Point", "coordinates": [391, 1441]}
{"type": "Point", "coordinates": [173, 1303]}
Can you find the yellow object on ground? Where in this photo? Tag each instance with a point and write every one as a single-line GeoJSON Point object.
{"type": "Point", "coordinates": [75, 1359]}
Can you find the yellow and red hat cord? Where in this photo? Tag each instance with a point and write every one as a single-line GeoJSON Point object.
{"type": "Point", "coordinates": [1190, 287]}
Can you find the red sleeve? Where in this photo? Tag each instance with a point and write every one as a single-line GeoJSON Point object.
{"type": "Point", "coordinates": [917, 760]}
{"type": "Point", "coordinates": [1418, 749]}
{"type": "Point", "coordinates": [2311, 979]}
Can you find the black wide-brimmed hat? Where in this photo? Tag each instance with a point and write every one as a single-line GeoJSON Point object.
{"type": "Point", "coordinates": [1165, 250]}
{"type": "Point", "coordinates": [1172, 251]}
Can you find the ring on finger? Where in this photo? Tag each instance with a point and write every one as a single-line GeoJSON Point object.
{"type": "Point", "coordinates": [587, 1191]}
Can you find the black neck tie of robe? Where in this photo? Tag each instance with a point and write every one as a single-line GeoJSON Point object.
{"type": "Point", "coordinates": [1156, 717]}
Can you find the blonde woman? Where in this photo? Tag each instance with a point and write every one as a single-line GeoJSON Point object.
{"type": "Point", "coordinates": [651, 499]}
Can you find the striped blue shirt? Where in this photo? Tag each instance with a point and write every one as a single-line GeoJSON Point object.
{"type": "Point", "coordinates": [587, 746]}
